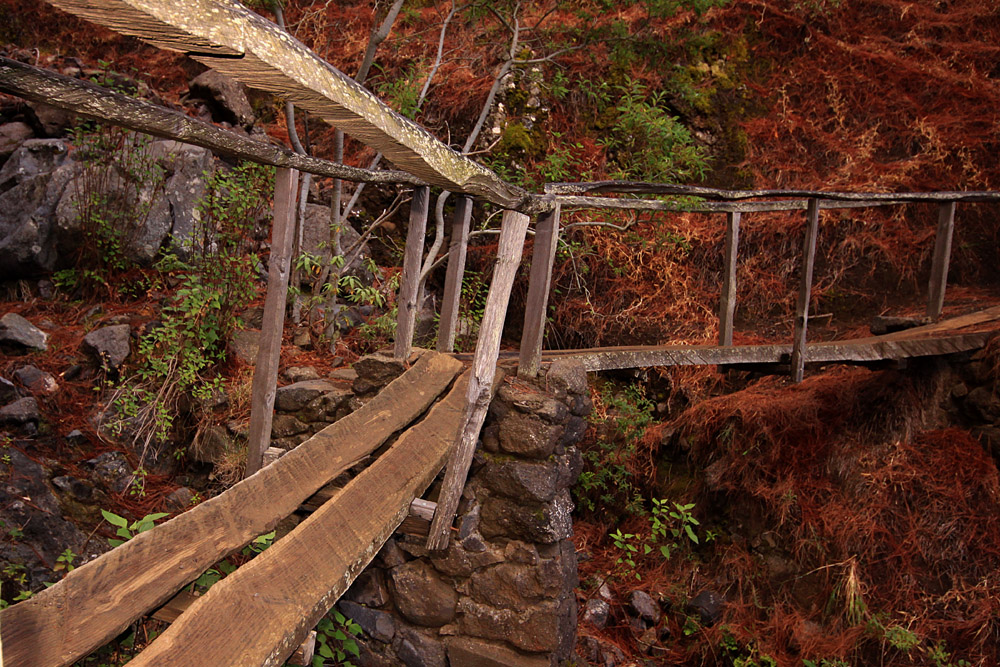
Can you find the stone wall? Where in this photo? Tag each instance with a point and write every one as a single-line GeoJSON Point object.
{"type": "Point", "coordinates": [503, 591]}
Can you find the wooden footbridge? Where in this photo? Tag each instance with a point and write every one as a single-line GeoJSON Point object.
{"type": "Point", "coordinates": [427, 419]}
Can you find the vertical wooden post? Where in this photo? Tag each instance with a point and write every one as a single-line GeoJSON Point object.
{"type": "Point", "coordinates": [543, 258]}
{"type": "Point", "coordinates": [805, 291]}
{"type": "Point", "coordinates": [454, 274]}
{"type": "Point", "coordinates": [412, 257]}
{"type": "Point", "coordinates": [484, 367]}
{"type": "Point", "coordinates": [727, 303]}
{"type": "Point", "coordinates": [942, 257]}
{"type": "Point", "coordinates": [265, 372]}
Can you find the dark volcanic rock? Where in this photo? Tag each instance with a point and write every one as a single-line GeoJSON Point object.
{"type": "Point", "coordinates": [421, 596]}
{"type": "Point", "coordinates": [17, 331]}
{"type": "Point", "coordinates": [227, 98]}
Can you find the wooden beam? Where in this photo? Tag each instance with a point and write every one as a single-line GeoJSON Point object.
{"type": "Point", "coordinates": [582, 202]}
{"type": "Point", "coordinates": [727, 303]}
{"type": "Point", "coordinates": [98, 600]}
{"type": "Point", "coordinates": [636, 187]}
{"type": "Point", "coordinates": [231, 39]}
{"type": "Point", "coordinates": [417, 521]}
{"type": "Point", "coordinates": [942, 257]}
{"type": "Point", "coordinates": [410, 284]}
{"type": "Point", "coordinates": [454, 275]}
{"type": "Point", "coordinates": [265, 371]}
{"type": "Point", "coordinates": [281, 594]}
{"type": "Point", "coordinates": [88, 99]}
{"type": "Point", "coordinates": [484, 366]}
{"type": "Point", "coordinates": [543, 258]}
{"type": "Point", "coordinates": [805, 291]}
{"type": "Point", "coordinates": [181, 602]}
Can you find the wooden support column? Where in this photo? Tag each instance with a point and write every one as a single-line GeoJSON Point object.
{"type": "Point", "coordinates": [942, 257]}
{"type": "Point", "coordinates": [454, 275]}
{"type": "Point", "coordinates": [805, 291]}
{"type": "Point", "coordinates": [265, 372]}
{"type": "Point", "coordinates": [727, 303]}
{"type": "Point", "coordinates": [484, 367]}
{"type": "Point", "coordinates": [542, 259]}
{"type": "Point", "coordinates": [410, 284]}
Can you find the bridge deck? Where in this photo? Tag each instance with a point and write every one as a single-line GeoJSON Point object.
{"type": "Point", "coordinates": [958, 334]}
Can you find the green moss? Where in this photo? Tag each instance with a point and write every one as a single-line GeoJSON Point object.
{"type": "Point", "coordinates": [519, 141]}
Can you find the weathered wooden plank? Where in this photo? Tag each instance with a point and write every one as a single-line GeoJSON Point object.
{"type": "Point", "coordinates": [539, 283]}
{"type": "Point", "coordinates": [265, 372]}
{"type": "Point", "coordinates": [484, 365]}
{"type": "Point", "coordinates": [727, 302]}
{"type": "Point", "coordinates": [805, 291]}
{"type": "Point", "coordinates": [584, 202]}
{"type": "Point", "coordinates": [409, 285]}
{"type": "Point", "coordinates": [233, 40]}
{"type": "Point", "coordinates": [635, 187]}
{"type": "Point", "coordinates": [417, 521]}
{"type": "Point", "coordinates": [942, 257]}
{"type": "Point", "coordinates": [98, 600]}
{"type": "Point", "coordinates": [454, 274]}
{"type": "Point", "coordinates": [283, 592]}
{"type": "Point", "coordinates": [93, 101]}
{"type": "Point", "coordinates": [181, 602]}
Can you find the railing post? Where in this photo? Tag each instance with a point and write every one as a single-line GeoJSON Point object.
{"type": "Point", "coordinates": [454, 274]}
{"type": "Point", "coordinates": [413, 254]}
{"type": "Point", "coordinates": [484, 368]}
{"type": "Point", "coordinates": [727, 303]}
{"type": "Point", "coordinates": [265, 372]}
{"type": "Point", "coordinates": [805, 291]}
{"type": "Point", "coordinates": [942, 257]}
{"type": "Point", "coordinates": [542, 260]}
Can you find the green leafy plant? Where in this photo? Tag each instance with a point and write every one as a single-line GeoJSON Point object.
{"type": "Point", "coordinates": [336, 640]}
{"type": "Point", "coordinates": [64, 562]}
{"type": "Point", "coordinates": [628, 551]}
{"type": "Point", "coordinates": [127, 530]}
{"type": "Point", "coordinates": [177, 357]}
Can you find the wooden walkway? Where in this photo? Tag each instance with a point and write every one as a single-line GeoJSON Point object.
{"type": "Point", "coordinates": [958, 334]}
{"type": "Point", "coordinates": [281, 594]}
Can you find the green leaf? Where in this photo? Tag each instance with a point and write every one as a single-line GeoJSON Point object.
{"type": "Point", "coordinates": [690, 533]}
{"type": "Point", "coordinates": [114, 519]}
{"type": "Point", "coordinates": [325, 651]}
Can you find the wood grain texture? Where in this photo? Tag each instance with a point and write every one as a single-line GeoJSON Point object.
{"type": "Point", "coordinates": [798, 359]}
{"type": "Point", "coordinates": [88, 99]}
{"type": "Point", "coordinates": [231, 39]}
{"type": "Point", "coordinates": [265, 371]}
{"type": "Point", "coordinates": [484, 365]}
{"type": "Point", "coordinates": [942, 257]}
{"type": "Point", "coordinates": [410, 282]}
{"type": "Point", "coordinates": [454, 274]}
{"type": "Point", "coordinates": [98, 600]}
{"type": "Point", "coordinates": [727, 302]}
{"type": "Point", "coordinates": [539, 284]}
{"type": "Point", "coordinates": [282, 593]}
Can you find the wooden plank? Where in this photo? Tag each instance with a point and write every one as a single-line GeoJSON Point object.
{"type": "Point", "coordinates": [96, 601]}
{"type": "Point", "coordinates": [231, 39]}
{"type": "Point", "coordinates": [727, 302]}
{"type": "Point", "coordinates": [265, 372]}
{"type": "Point", "coordinates": [417, 521]}
{"type": "Point", "coordinates": [410, 283]}
{"type": "Point", "coordinates": [181, 602]}
{"type": "Point", "coordinates": [805, 291]}
{"type": "Point", "coordinates": [942, 257]}
{"type": "Point", "coordinates": [454, 275]}
{"type": "Point", "coordinates": [283, 592]}
{"type": "Point", "coordinates": [484, 365]}
{"type": "Point", "coordinates": [543, 258]}
{"type": "Point", "coordinates": [635, 187]}
{"type": "Point", "coordinates": [88, 99]}
{"type": "Point", "coordinates": [583, 202]}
